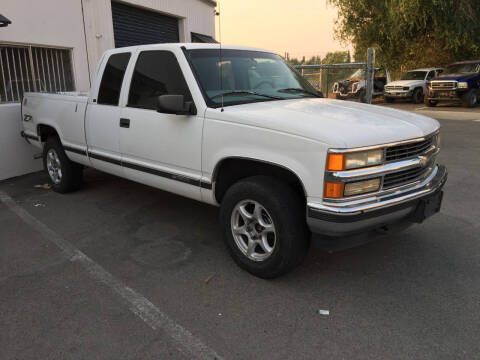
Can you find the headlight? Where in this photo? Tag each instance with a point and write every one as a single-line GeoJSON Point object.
{"type": "Point", "coordinates": [406, 88]}
{"type": "Point", "coordinates": [463, 85]}
{"type": "Point", "coordinates": [361, 187]}
{"type": "Point", "coordinates": [354, 160]}
{"type": "Point", "coordinates": [335, 190]}
{"type": "Point", "coordinates": [437, 140]}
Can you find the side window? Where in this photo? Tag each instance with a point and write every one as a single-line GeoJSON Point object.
{"type": "Point", "coordinates": [111, 85]}
{"type": "Point", "coordinates": [156, 73]}
{"type": "Point", "coordinates": [431, 75]}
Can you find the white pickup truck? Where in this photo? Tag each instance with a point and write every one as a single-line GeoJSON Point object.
{"type": "Point", "coordinates": [240, 129]}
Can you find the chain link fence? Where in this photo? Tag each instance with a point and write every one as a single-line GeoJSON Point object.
{"type": "Point", "coordinates": [351, 80]}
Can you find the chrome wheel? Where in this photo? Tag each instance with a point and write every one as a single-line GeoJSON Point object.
{"type": "Point", "coordinates": [253, 230]}
{"type": "Point", "coordinates": [54, 167]}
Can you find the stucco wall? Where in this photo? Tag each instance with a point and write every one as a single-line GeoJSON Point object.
{"type": "Point", "coordinates": [16, 157]}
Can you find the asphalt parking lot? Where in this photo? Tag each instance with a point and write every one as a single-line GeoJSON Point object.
{"type": "Point", "coordinates": [119, 270]}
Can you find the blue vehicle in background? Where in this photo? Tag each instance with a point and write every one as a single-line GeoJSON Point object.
{"type": "Point", "coordinates": [460, 81]}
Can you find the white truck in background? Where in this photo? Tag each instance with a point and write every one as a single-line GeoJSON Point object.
{"type": "Point", "coordinates": [240, 129]}
{"type": "Point", "coordinates": [413, 85]}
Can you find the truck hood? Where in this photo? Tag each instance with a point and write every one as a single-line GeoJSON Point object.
{"type": "Point", "coordinates": [408, 83]}
{"type": "Point", "coordinates": [336, 123]}
{"type": "Point", "coordinates": [455, 77]}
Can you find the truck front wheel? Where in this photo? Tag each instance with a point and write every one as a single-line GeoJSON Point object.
{"type": "Point", "coordinates": [264, 226]}
{"type": "Point", "coordinates": [65, 175]}
{"type": "Point", "coordinates": [417, 96]}
{"type": "Point", "coordinates": [471, 98]}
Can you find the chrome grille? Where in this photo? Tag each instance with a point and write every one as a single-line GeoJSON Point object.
{"type": "Point", "coordinates": [394, 87]}
{"type": "Point", "coordinates": [407, 150]}
{"type": "Point", "coordinates": [443, 85]}
{"type": "Point", "coordinates": [404, 177]}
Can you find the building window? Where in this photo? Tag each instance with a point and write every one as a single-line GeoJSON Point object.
{"type": "Point", "coordinates": [30, 68]}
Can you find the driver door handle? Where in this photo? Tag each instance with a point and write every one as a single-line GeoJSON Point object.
{"type": "Point", "coordinates": [124, 123]}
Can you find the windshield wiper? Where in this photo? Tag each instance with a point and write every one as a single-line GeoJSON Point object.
{"type": "Point", "coordinates": [298, 90]}
{"type": "Point", "coordinates": [244, 92]}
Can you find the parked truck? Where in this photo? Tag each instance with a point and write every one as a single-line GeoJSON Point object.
{"type": "Point", "coordinates": [242, 130]}
{"type": "Point", "coordinates": [460, 82]}
{"type": "Point", "coordinates": [413, 85]}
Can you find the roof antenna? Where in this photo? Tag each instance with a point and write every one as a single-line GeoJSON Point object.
{"type": "Point", "coordinates": [217, 13]}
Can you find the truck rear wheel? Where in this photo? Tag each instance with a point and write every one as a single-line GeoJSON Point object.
{"type": "Point", "coordinates": [431, 103]}
{"type": "Point", "coordinates": [264, 226]}
{"type": "Point", "coordinates": [65, 175]}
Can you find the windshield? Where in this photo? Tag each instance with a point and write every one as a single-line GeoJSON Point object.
{"type": "Point", "coordinates": [463, 68]}
{"type": "Point", "coordinates": [243, 76]}
{"type": "Point", "coordinates": [414, 75]}
{"type": "Point", "coordinates": [359, 74]}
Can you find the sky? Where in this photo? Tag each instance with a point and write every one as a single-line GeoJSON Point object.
{"type": "Point", "coordinates": [301, 27]}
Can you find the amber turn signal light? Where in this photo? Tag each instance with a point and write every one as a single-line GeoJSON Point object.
{"type": "Point", "coordinates": [335, 162]}
{"type": "Point", "coordinates": [334, 190]}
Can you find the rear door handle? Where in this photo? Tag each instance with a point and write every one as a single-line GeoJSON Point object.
{"type": "Point", "coordinates": [124, 123]}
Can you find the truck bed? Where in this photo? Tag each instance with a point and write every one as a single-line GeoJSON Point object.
{"type": "Point", "coordinates": [63, 111]}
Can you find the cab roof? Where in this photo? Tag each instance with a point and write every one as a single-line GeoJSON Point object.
{"type": "Point", "coordinates": [188, 46]}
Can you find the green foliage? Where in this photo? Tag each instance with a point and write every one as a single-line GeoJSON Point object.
{"type": "Point", "coordinates": [335, 57]}
{"type": "Point", "coordinates": [411, 33]}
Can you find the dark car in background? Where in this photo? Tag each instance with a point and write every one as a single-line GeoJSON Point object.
{"type": "Point", "coordinates": [459, 82]}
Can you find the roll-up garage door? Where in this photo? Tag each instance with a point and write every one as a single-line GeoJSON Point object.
{"type": "Point", "coordinates": [135, 26]}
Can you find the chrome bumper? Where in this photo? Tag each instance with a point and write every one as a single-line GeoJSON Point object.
{"type": "Point", "coordinates": [338, 219]}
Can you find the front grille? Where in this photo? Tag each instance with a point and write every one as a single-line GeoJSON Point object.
{"type": "Point", "coordinates": [405, 151]}
{"type": "Point", "coordinates": [404, 177]}
{"type": "Point", "coordinates": [393, 87]}
{"type": "Point", "coordinates": [443, 85]}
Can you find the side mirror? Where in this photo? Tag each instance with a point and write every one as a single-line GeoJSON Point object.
{"type": "Point", "coordinates": [175, 104]}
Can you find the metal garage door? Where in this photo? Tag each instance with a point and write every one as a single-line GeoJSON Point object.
{"type": "Point", "coordinates": [135, 26]}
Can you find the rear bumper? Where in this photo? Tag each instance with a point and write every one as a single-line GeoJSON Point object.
{"type": "Point", "coordinates": [378, 212]}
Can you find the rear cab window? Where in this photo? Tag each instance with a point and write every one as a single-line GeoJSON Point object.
{"type": "Point", "coordinates": [156, 73]}
{"type": "Point", "coordinates": [112, 79]}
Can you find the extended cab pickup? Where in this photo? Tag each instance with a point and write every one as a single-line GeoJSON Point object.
{"type": "Point", "coordinates": [240, 129]}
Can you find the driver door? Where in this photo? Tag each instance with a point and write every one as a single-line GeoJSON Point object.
{"type": "Point", "coordinates": [160, 149]}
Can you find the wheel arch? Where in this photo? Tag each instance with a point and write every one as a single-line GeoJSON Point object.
{"type": "Point", "coordinates": [230, 170]}
{"type": "Point", "coordinates": [44, 131]}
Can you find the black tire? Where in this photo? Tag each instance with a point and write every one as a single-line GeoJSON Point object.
{"type": "Point", "coordinates": [417, 96]}
{"type": "Point", "coordinates": [389, 100]}
{"type": "Point", "coordinates": [470, 98]}
{"type": "Point", "coordinates": [71, 178]}
{"type": "Point", "coordinates": [287, 212]}
{"type": "Point", "coordinates": [362, 95]}
{"type": "Point", "coordinates": [431, 103]}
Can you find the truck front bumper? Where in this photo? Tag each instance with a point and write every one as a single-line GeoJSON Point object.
{"type": "Point", "coordinates": [398, 94]}
{"type": "Point", "coordinates": [376, 212]}
{"type": "Point", "coordinates": [446, 95]}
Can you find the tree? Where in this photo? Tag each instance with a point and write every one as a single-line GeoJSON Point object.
{"type": "Point", "coordinates": [411, 33]}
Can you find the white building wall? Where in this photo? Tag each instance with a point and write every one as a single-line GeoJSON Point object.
{"type": "Point", "coordinates": [60, 23]}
